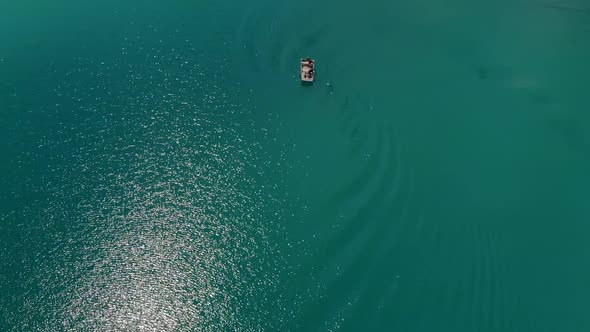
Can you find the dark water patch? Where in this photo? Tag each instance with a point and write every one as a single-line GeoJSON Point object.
{"type": "Point", "coordinates": [571, 7]}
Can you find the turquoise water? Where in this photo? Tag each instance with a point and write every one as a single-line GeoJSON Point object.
{"type": "Point", "coordinates": [163, 169]}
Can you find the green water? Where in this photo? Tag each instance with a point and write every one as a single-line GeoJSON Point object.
{"type": "Point", "coordinates": [163, 169]}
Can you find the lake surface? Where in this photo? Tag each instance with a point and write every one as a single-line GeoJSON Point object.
{"type": "Point", "coordinates": [163, 169]}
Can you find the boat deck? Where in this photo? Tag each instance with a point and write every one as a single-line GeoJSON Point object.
{"type": "Point", "coordinates": [305, 68]}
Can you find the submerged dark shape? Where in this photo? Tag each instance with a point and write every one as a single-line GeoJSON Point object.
{"type": "Point", "coordinates": [482, 73]}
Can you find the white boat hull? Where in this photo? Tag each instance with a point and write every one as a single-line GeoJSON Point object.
{"type": "Point", "coordinates": [305, 68]}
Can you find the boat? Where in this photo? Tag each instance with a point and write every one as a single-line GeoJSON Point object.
{"type": "Point", "coordinates": [307, 70]}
